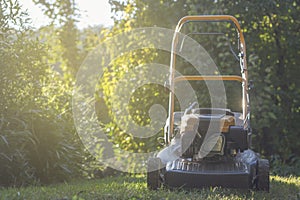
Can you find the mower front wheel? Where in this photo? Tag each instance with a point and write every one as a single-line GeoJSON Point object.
{"type": "Point", "coordinates": [262, 176]}
{"type": "Point", "coordinates": [153, 173]}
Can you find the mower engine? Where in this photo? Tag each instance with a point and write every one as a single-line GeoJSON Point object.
{"type": "Point", "coordinates": [211, 134]}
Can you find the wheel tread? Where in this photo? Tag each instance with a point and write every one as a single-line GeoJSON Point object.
{"type": "Point", "coordinates": [263, 177]}
{"type": "Point", "coordinates": [153, 173]}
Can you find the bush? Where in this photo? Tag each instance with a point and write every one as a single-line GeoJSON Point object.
{"type": "Point", "coordinates": [38, 142]}
{"type": "Point", "coordinates": [288, 168]}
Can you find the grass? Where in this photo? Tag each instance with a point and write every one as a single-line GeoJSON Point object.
{"type": "Point", "coordinates": [134, 187]}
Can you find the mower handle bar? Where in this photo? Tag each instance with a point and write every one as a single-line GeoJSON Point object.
{"type": "Point", "coordinates": [243, 64]}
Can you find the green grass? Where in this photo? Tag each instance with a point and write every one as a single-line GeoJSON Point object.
{"type": "Point", "coordinates": [134, 187]}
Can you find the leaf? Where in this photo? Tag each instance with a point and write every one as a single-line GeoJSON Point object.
{"type": "Point", "coordinates": [272, 115]}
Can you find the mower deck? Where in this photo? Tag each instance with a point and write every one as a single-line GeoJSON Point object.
{"type": "Point", "coordinates": [196, 175]}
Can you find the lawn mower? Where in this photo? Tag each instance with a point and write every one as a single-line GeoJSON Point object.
{"type": "Point", "coordinates": [208, 146]}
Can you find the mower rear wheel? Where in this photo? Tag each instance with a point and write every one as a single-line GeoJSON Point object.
{"type": "Point", "coordinates": [263, 177]}
{"type": "Point", "coordinates": [153, 173]}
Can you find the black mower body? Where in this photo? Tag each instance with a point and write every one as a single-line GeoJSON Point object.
{"type": "Point", "coordinates": [207, 147]}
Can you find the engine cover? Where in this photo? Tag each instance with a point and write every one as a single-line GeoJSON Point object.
{"type": "Point", "coordinates": [202, 134]}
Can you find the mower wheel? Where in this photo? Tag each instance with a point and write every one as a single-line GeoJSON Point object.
{"type": "Point", "coordinates": [153, 173]}
{"type": "Point", "coordinates": [263, 179]}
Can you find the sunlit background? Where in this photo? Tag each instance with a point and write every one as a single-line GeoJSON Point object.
{"type": "Point", "coordinates": [92, 12]}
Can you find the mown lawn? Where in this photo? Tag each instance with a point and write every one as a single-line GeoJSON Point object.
{"type": "Point", "coordinates": [134, 187]}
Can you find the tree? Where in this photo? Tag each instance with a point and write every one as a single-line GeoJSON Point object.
{"type": "Point", "coordinates": [64, 17]}
{"type": "Point", "coordinates": [271, 35]}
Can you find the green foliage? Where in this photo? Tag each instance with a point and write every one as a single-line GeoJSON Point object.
{"type": "Point", "coordinates": [138, 106]}
{"type": "Point", "coordinates": [273, 47]}
{"type": "Point", "coordinates": [59, 12]}
{"type": "Point", "coordinates": [35, 146]}
{"type": "Point", "coordinates": [38, 141]}
{"type": "Point", "coordinates": [285, 168]}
